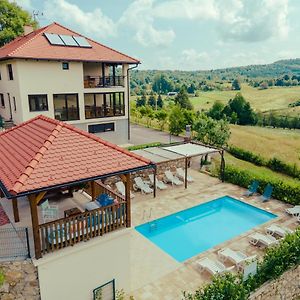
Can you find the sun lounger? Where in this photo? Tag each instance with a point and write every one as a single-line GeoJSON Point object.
{"type": "Point", "coordinates": [279, 230]}
{"type": "Point", "coordinates": [212, 266]}
{"type": "Point", "coordinates": [121, 189]}
{"type": "Point", "coordinates": [141, 185]}
{"type": "Point", "coordinates": [237, 257]}
{"type": "Point", "coordinates": [259, 238]}
{"type": "Point", "coordinates": [159, 184]}
{"type": "Point", "coordinates": [181, 174]}
{"type": "Point", "coordinates": [295, 211]}
{"type": "Point", "coordinates": [170, 178]}
{"type": "Point", "coordinates": [252, 189]}
{"type": "Point", "coordinates": [267, 193]}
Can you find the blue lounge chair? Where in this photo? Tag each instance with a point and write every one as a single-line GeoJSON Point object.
{"type": "Point", "coordinates": [252, 188]}
{"type": "Point", "coordinates": [267, 193]}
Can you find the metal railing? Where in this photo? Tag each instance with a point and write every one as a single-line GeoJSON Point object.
{"type": "Point", "coordinates": [99, 81]}
{"type": "Point", "coordinates": [106, 291]}
{"type": "Point", "coordinates": [14, 243]}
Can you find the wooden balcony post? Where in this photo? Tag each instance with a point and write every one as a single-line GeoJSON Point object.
{"type": "Point", "coordinates": [186, 170]}
{"type": "Point", "coordinates": [128, 200]}
{"type": "Point", "coordinates": [93, 190]}
{"type": "Point", "coordinates": [15, 209]}
{"type": "Point", "coordinates": [35, 225]}
{"type": "Point", "coordinates": [154, 182]}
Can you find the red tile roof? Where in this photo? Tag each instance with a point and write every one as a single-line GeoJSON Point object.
{"type": "Point", "coordinates": [43, 152]}
{"type": "Point", "coordinates": [35, 46]}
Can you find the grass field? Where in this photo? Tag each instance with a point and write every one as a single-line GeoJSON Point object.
{"type": "Point", "coordinates": [268, 142]}
{"type": "Point", "coordinates": [276, 98]}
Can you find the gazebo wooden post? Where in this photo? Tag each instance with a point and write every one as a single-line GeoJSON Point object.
{"type": "Point", "coordinates": [128, 200]}
{"type": "Point", "coordinates": [222, 166]}
{"type": "Point", "coordinates": [35, 225]}
{"type": "Point", "coordinates": [15, 209]}
{"type": "Point", "coordinates": [93, 190]}
{"type": "Point", "coordinates": [186, 171]}
{"type": "Point", "coordinates": [154, 181]}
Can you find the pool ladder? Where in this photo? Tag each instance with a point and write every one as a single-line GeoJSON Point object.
{"type": "Point", "coordinates": [152, 224]}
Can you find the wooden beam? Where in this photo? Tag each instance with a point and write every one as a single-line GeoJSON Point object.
{"type": "Point", "coordinates": [123, 177]}
{"type": "Point", "coordinates": [35, 225]}
{"type": "Point", "coordinates": [39, 197]}
{"type": "Point", "coordinates": [16, 210]}
{"type": "Point", "coordinates": [93, 190]}
{"type": "Point", "coordinates": [222, 166]}
{"type": "Point", "coordinates": [154, 182]}
{"type": "Point", "coordinates": [186, 172]}
{"type": "Point", "coordinates": [128, 200]}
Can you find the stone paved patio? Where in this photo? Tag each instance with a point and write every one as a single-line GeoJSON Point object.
{"type": "Point", "coordinates": [156, 275]}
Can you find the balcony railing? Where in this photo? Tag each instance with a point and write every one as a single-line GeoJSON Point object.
{"type": "Point", "coordinates": [107, 81]}
{"type": "Point", "coordinates": [69, 231]}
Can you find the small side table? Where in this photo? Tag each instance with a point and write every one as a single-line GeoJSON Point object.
{"type": "Point", "coordinates": [72, 212]}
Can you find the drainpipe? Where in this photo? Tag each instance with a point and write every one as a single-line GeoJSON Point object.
{"type": "Point", "coordinates": [128, 95]}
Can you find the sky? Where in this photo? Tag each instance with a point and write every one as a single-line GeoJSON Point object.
{"type": "Point", "coordinates": [183, 34]}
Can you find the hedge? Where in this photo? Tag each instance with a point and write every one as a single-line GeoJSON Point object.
{"type": "Point", "coordinates": [275, 262]}
{"type": "Point", "coordinates": [285, 191]}
{"type": "Point", "coordinates": [143, 146]}
{"type": "Point", "coordinates": [274, 163]}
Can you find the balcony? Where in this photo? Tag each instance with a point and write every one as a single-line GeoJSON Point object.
{"type": "Point", "coordinates": [102, 82]}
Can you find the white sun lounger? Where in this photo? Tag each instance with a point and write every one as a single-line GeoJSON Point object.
{"type": "Point", "coordinates": [295, 211]}
{"type": "Point", "coordinates": [237, 257]}
{"type": "Point", "coordinates": [259, 238]}
{"type": "Point", "coordinates": [181, 174]}
{"type": "Point", "coordinates": [170, 178]}
{"type": "Point", "coordinates": [141, 185]}
{"type": "Point", "coordinates": [159, 184]}
{"type": "Point", "coordinates": [279, 230]}
{"type": "Point", "coordinates": [121, 189]}
{"type": "Point", "coordinates": [212, 266]}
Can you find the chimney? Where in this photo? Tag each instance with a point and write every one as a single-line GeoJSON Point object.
{"type": "Point", "coordinates": [27, 29]}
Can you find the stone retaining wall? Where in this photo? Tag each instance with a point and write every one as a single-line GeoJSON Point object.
{"type": "Point", "coordinates": [287, 287]}
{"type": "Point", "coordinates": [21, 281]}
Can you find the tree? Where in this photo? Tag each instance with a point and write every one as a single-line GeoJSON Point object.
{"type": "Point", "coordinates": [152, 100]}
{"type": "Point", "coordinates": [162, 85]}
{"type": "Point", "coordinates": [191, 89]}
{"type": "Point", "coordinates": [12, 21]}
{"type": "Point", "coordinates": [159, 102]}
{"type": "Point", "coordinates": [141, 101]}
{"type": "Point", "coordinates": [235, 85]}
{"type": "Point", "coordinates": [161, 115]}
{"type": "Point", "coordinates": [182, 99]}
{"type": "Point", "coordinates": [176, 120]}
{"type": "Point", "coordinates": [216, 111]}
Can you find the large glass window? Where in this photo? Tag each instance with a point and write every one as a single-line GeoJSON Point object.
{"type": "Point", "coordinates": [2, 102]}
{"type": "Point", "coordinates": [10, 72]}
{"type": "Point", "coordinates": [104, 105]}
{"type": "Point", "coordinates": [66, 107]}
{"type": "Point", "coordinates": [38, 102]}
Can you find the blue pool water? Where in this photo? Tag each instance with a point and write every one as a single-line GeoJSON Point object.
{"type": "Point", "coordinates": [192, 231]}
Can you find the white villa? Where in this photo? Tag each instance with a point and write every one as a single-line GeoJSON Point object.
{"type": "Point", "coordinates": [63, 75]}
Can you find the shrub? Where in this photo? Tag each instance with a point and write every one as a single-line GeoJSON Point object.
{"type": "Point", "coordinates": [246, 155]}
{"type": "Point", "coordinates": [278, 165]}
{"type": "Point", "coordinates": [285, 191]}
{"type": "Point", "coordinates": [143, 146]}
{"type": "Point", "coordinates": [1, 277]}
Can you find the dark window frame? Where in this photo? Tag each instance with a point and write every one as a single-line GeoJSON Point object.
{"type": "Point", "coordinates": [10, 72]}
{"type": "Point", "coordinates": [101, 127]}
{"type": "Point", "coordinates": [15, 103]}
{"type": "Point", "coordinates": [35, 97]}
{"type": "Point", "coordinates": [65, 65]}
{"type": "Point", "coordinates": [2, 100]}
{"type": "Point", "coordinates": [66, 105]}
{"type": "Point", "coordinates": [108, 98]}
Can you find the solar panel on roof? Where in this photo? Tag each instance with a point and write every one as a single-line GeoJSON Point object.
{"type": "Point", "coordinates": [54, 39]}
{"type": "Point", "coordinates": [68, 40]}
{"type": "Point", "coordinates": [82, 42]}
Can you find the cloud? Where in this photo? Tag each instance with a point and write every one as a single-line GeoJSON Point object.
{"type": "Point", "coordinates": [92, 23]}
{"type": "Point", "coordinates": [140, 16]}
{"type": "Point", "coordinates": [191, 59]}
{"type": "Point", "coordinates": [23, 3]}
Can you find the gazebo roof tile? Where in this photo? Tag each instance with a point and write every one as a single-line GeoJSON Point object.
{"type": "Point", "coordinates": [44, 152]}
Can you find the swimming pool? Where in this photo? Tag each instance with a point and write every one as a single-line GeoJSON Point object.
{"type": "Point", "coordinates": [197, 229]}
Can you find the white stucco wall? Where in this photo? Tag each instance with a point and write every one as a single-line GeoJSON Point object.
{"type": "Point", "coordinates": [73, 272]}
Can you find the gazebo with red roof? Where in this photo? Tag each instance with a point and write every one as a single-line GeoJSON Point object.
{"type": "Point", "coordinates": [43, 154]}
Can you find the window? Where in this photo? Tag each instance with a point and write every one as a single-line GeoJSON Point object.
{"type": "Point", "coordinates": [15, 105]}
{"type": "Point", "coordinates": [38, 102]}
{"type": "Point", "coordinates": [65, 66]}
{"type": "Point", "coordinates": [105, 127]}
{"type": "Point", "coordinates": [2, 102]}
{"type": "Point", "coordinates": [104, 105]}
{"type": "Point", "coordinates": [10, 72]}
{"type": "Point", "coordinates": [66, 107]}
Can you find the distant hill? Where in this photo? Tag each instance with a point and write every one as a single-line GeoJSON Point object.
{"type": "Point", "coordinates": [274, 70]}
